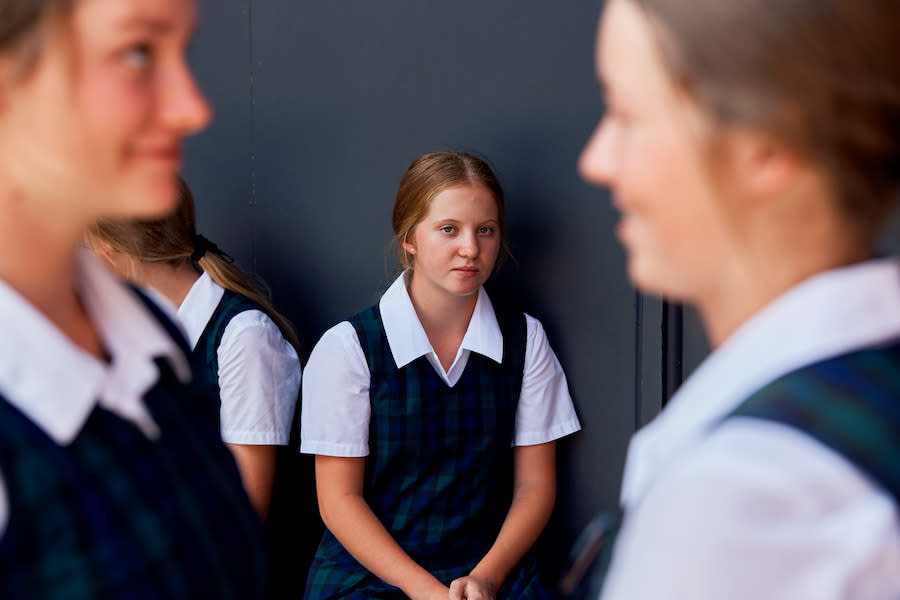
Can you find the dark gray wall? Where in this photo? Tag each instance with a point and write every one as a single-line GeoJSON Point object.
{"type": "Point", "coordinates": [320, 107]}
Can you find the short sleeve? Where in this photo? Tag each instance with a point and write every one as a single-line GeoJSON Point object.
{"type": "Point", "coordinates": [545, 411]}
{"type": "Point", "coordinates": [335, 409]}
{"type": "Point", "coordinates": [758, 511]}
{"type": "Point", "coordinates": [259, 381]}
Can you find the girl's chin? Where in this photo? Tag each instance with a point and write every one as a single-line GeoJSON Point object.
{"type": "Point", "coordinates": [652, 279]}
{"type": "Point", "coordinates": [157, 200]}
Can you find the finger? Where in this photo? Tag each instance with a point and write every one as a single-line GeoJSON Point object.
{"type": "Point", "coordinates": [457, 588]}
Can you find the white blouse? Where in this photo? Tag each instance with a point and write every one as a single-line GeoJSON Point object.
{"type": "Point", "coordinates": [57, 384]}
{"type": "Point", "coordinates": [751, 509]}
{"type": "Point", "coordinates": [335, 408]}
{"type": "Point", "coordinates": [259, 371]}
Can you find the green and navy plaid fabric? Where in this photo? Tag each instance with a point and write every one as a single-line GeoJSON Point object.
{"type": "Point", "coordinates": [439, 470]}
{"type": "Point", "coordinates": [205, 356]}
{"type": "Point", "coordinates": [117, 515]}
{"type": "Point", "coordinates": [850, 404]}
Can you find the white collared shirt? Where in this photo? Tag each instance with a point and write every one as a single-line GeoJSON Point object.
{"type": "Point", "coordinates": [259, 371]}
{"type": "Point", "coordinates": [336, 409]}
{"type": "Point", "coordinates": [750, 509]}
{"type": "Point", "coordinates": [57, 384]}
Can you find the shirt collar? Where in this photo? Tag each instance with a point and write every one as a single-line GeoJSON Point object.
{"type": "Point", "coordinates": [406, 336]}
{"type": "Point", "coordinates": [198, 307]}
{"type": "Point", "coordinates": [827, 315]}
{"type": "Point", "coordinates": [55, 383]}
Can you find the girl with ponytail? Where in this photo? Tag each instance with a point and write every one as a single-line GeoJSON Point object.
{"type": "Point", "coordinates": [243, 350]}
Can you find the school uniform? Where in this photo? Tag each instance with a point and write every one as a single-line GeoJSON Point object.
{"type": "Point", "coordinates": [245, 361]}
{"type": "Point", "coordinates": [737, 489]}
{"type": "Point", "coordinates": [113, 480]}
{"type": "Point", "coordinates": [439, 443]}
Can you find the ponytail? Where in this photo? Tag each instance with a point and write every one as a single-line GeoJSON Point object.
{"type": "Point", "coordinates": [174, 240]}
{"type": "Point", "coordinates": [221, 268]}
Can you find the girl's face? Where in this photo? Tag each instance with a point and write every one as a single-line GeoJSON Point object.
{"type": "Point", "coordinates": [647, 151]}
{"type": "Point", "coordinates": [95, 129]}
{"type": "Point", "coordinates": [455, 246]}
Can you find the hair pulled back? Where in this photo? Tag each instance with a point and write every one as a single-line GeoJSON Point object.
{"type": "Point", "coordinates": [428, 176]}
{"type": "Point", "coordinates": [174, 240]}
{"type": "Point", "coordinates": [822, 76]}
{"type": "Point", "coordinates": [22, 23]}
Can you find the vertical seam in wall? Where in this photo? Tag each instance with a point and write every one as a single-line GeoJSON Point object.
{"type": "Point", "coordinates": [638, 361]}
{"type": "Point", "coordinates": [252, 200]}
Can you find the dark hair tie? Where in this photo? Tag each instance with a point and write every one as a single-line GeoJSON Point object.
{"type": "Point", "coordinates": [203, 245]}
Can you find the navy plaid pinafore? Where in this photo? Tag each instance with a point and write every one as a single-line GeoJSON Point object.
{"type": "Point", "coordinates": [849, 403]}
{"type": "Point", "coordinates": [115, 514]}
{"type": "Point", "coordinates": [205, 356]}
{"type": "Point", "coordinates": [439, 472]}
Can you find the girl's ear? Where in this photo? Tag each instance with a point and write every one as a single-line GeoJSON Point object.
{"type": "Point", "coordinates": [407, 245]}
{"type": "Point", "coordinates": [765, 166]}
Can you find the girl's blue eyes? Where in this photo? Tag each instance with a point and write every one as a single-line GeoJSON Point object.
{"type": "Point", "coordinates": [138, 56]}
{"type": "Point", "coordinates": [481, 230]}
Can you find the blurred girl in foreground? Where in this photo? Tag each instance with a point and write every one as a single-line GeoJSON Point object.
{"type": "Point", "coordinates": [753, 149]}
{"type": "Point", "coordinates": [113, 480]}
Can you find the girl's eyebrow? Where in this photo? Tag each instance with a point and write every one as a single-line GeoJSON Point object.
{"type": "Point", "coordinates": [144, 23]}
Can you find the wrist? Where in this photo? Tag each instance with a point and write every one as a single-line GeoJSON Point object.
{"type": "Point", "coordinates": [487, 579]}
{"type": "Point", "coordinates": [423, 587]}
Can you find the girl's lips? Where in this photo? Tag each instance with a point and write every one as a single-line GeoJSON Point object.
{"type": "Point", "coordinates": [625, 229]}
{"type": "Point", "coordinates": [163, 152]}
{"type": "Point", "coordinates": [466, 271]}
{"type": "Point", "coordinates": [168, 155]}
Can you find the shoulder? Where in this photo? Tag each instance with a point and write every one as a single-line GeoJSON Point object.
{"type": "Point", "coordinates": [341, 336]}
{"type": "Point", "coordinates": [253, 330]}
{"type": "Point", "coordinates": [758, 510]}
{"type": "Point", "coordinates": [250, 319]}
{"type": "Point", "coordinates": [537, 346]}
{"type": "Point", "coordinates": [533, 327]}
{"type": "Point", "coordinates": [766, 474]}
{"type": "Point", "coordinates": [754, 460]}
{"type": "Point", "coordinates": [337, 354]}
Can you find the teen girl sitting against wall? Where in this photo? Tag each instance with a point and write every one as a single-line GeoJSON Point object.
{"type": "Point", "coordinates": [114, 482]}
{"type": "Point", "coordinates": [243, 350]}
{"type": "Point", "coordinates": [433, 414]}
{"type": "Point", "coordinates": [753, 149]}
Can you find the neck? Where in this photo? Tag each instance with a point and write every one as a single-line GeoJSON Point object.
{"type": "Point", "coordinates": [762, 276]}
{"type": "Point", "coordinates": [37, 259]}
{"type": "Point", "coordinates": [172, 281]}
{"type": "Point", "coordinates": [444, 317]}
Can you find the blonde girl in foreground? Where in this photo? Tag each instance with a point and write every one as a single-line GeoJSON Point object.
{"type": "Point", "coordinates": [753, 150]}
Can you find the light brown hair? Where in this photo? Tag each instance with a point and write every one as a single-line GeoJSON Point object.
{"type": "Point", "coordinates": [174, 240]}
{"type": "Point", "coordinates": [23, 24]}
{"type": "Point", "coordinates": [428, 176]}
{"type": "Point", "coordinates": [821, 76]}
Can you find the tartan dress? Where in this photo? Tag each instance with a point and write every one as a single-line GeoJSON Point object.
{"type": "Point", "coordinates": [439, 474]}
{"type": "Point", "coordinates": [115, 514]}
